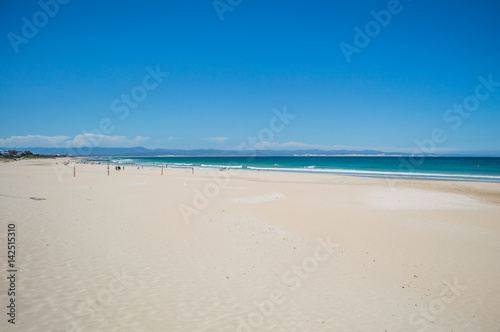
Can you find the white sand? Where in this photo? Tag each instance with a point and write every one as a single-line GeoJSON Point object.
{"type": "Point", "coordinates": [417, 199]}
{"type": "Point", "coordinates": [114, 253]}
{"type": "Point", "coordinates": [259, 198]}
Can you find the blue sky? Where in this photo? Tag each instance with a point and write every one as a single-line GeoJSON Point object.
{"type": "Point", "coordinates": [63, 84]}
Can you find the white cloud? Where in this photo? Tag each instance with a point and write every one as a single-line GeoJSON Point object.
{"type": "Point", "coordinates": [35, 141]}
{"type": "Point", "coordinates": [82, 140]}
{"type": "Point", "coordinates": [288, 145]}
{"type": "Point", "coordinates": [306, 146]}
{"type": "Point", "coordinates": [93, 140]}
{"type": "Point", "coordinates": [215, 139]}
{"type": "Point", "coordinates": [415, 149]}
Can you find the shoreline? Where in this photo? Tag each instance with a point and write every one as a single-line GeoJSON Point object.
{"type": "Point", "coordinates": [412, 175]}
{"type": "Point", "coordinates": [483, 189]}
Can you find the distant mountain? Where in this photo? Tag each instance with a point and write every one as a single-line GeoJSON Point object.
{"type": "Point", "coordinates": [141, 151]}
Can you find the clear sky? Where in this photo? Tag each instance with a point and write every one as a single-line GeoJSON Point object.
{"type": "Point", "coordinates": [384, 75]}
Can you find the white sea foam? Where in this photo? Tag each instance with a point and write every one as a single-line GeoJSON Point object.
{"type": "Point", "coordinates": [433, 176]}
{"type": "Point", "coordinates": [179, 165]}
{"type": "Point", "coordinates": [221, 166]}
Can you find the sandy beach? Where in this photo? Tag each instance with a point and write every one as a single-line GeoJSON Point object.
{"type": "Point", "coordinates": [246, 251]}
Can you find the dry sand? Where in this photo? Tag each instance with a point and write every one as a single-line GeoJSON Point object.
{"type": "Point", "coordinates": [247, 251]}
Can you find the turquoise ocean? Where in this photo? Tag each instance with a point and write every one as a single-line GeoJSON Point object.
{"type": "Point", "coordinates": [431, 168]}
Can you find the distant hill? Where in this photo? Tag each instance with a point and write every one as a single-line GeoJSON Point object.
{"type": "Point", "coordinates": [141, 151]}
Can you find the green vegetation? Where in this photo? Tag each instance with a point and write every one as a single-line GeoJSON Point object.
{"type": "Point", "coordinates": [14, 155]}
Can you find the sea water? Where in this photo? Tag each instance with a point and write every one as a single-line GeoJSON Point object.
{"type": "Point", "coordinates": [433, 168]}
